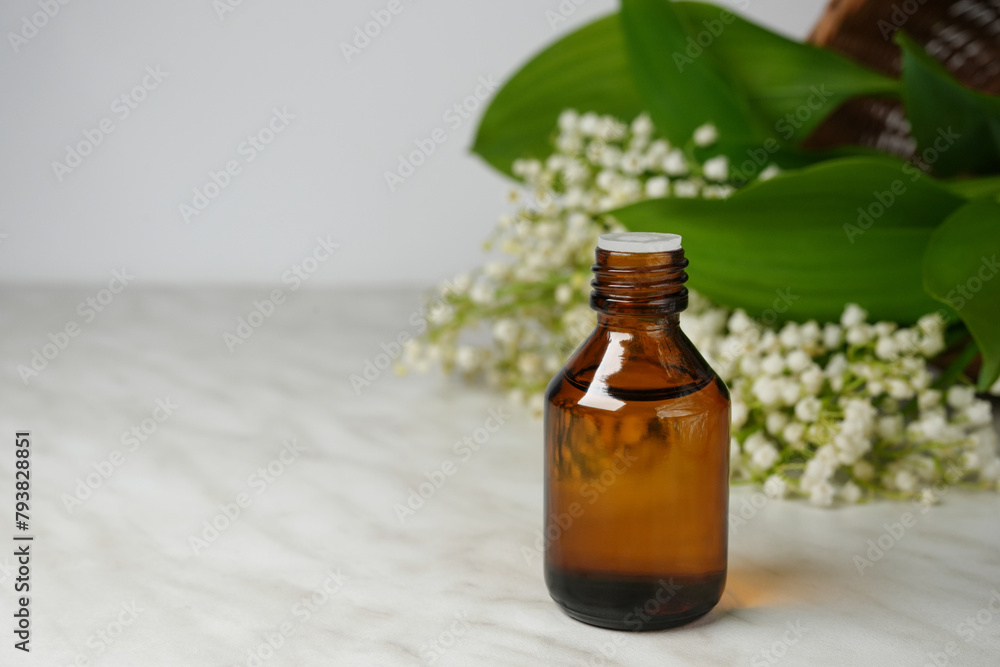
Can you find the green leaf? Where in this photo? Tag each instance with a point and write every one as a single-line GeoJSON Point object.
{"type": "Point", "coordinates": [586, 70]}
{"type": "Point", "coordinates": [960, 269]}
{"type": "Point", "coordinates": [681, 93]}
{"type": "Point", "coordinates": [972, 188]}
{"type": "Point", "coordinates": [806, 243]}
{"type": "Point", "coordinates": [747, 81]}
{"type": "Point", "coordinates": [957, 129]}
{"type": "Point", "coordinates": [695, 62]}
{"type": "Point", "coordinates": [790, 85]}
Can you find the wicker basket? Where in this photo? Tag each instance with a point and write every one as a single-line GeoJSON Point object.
{"type": "Point", "coordinates": [964, 35]}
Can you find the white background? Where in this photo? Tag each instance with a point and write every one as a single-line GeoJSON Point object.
{"type": "Point", "coordinates": [324, 175]}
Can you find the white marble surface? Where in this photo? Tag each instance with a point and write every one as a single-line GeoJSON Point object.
{"type": "Point", "coordinates": [450, 586]}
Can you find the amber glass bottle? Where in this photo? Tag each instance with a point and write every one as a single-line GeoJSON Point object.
{"type": "Point", "coordinates": [637, 452]}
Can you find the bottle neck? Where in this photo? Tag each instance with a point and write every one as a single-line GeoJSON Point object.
{"type": "Point", "coordinates": [639, 290]}
{"type": "Point", "coordinates": [645, 324]}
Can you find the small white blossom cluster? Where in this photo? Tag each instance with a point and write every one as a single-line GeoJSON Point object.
{"type": "Point", "coordinates": [531, 308]}
{"type": "Point", "coordinates": [838, 411]}
{"type": "Point", "coordinates": [845, 411]}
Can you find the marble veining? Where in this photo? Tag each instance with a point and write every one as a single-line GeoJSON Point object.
{"type": "Point", "coordinates": [321, 567]}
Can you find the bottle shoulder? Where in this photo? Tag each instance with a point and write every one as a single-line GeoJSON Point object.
{"type": "Point", "coordinates": [637, 366]}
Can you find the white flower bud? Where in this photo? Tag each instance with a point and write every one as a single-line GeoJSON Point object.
{"type": "Point", "coordinates": [706, 135]}
{"type": "Point", "coordinates": [790, 391]}
{"type": "Point", "coordinates": [440, 313]}
{"type": "Point", "coordinates": [675, 164]}
{"type": "Point", "coordinates": [832, 336]}
{"type": "Point", "coordinates": [717, 168]}
{"type": "Point", "coordinates": [812, 380]}
{"type": "Point", "coordinates": [886, 349]}
{"type": "Point", "coordinates": [907, 341]}
{"type": "Point", "coordinates": [905, 480]}
{"type": "Point", "coordinates": [931, 324]}
{"type": "Point", "coordinates": [766, 390]}
{"type": "Point", "coordinates": [564, 293]}
{"type": "Point", "coordinates": [685, 189]}
{"type": "Point", "coordinates": [860, 334]}
{"type": "Point", "coordinates": [529, 364]}
{"type": "Point", "coordinates": [740, 322]}
{"type": "Point", "coordinates": [863, 470]}
{"type": "Point", "coordinates": [739, 414]}
{"type": "Point", "coordinates": [750, 365]}
{"type": "Point", "coordinates": [898, 389]}
{"type": "Point", "coordinates": [642, 125]}
{"type": "Point", "coordinates": [568, 120]}
{"type": "Point", "coordinates": [755, 441]}
{"type": "Point", "coordinates": [853, 316]}
{"type": "Point", "coordinates": [775, 422]}
{"type": "Point", "coordinates": [798, 361]}
{"type": "Point", "coordinates": [929, 399]}
{"type": "Point", "coordinates": [773, 364]}
{"type": "Point", "coordinates": [931, 426]}
{"type": "Point", "coordinates": [589, 124]}
{"type": "Point", "coordinates": [850, 493]}
{"type": "Point", "coordinates": [932, 344]}
{"type": "Point", "coordinates": [556, 162]}
{"type": "Point", "coordinates": [553, 363]}
{"type": "Point", "coordinates": [569, 144]}
{"type": "Point", "coordinates": [657, 187]}
{"type": "Point", "coordinates": [821, 494]}
{"type": "Point", "coordinates": [482, 293]}
{"type": "Point", "coordinates": [632, 163]}
{"type": "Point", "coordinates": [606, 180]}
{"type": "Point", "coordinates": [929, 496]}
{"type": "Point", "coordinates": [775, 487]}
{"type": "Point", "coordinates": [764, 457]}
{"type": "Point", "coordinates": [792, 433]}
{"type": "Point", "coordinates": [466, 358]}
{"type": "Point", "coordinates": [979, 413]}
{"type": "Point", "coordinates": [611, 129]}
{"type": "Point", "coordinates": [505, 331]}
{"type": "Point", "coordinates": [527, 169]}
{"type": "Point", "coordinates": [790, 336]}
{"type": "Point", "coordinates": [611, 157]}
{"type": "Point", "coordinates": [807, 409]}
{"type": "Point", "coordinates": [883, 329]}
{"type": "Point", "coordinates": [960, 396]}
{"type": "Point", "coordinates": [769, 172]}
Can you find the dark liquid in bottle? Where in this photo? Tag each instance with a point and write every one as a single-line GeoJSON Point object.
{"type": "Point", "coordinates": [637, 493]}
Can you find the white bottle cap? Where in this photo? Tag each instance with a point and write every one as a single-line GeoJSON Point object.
{"type": "Point", "coordinates": [639, 242]}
